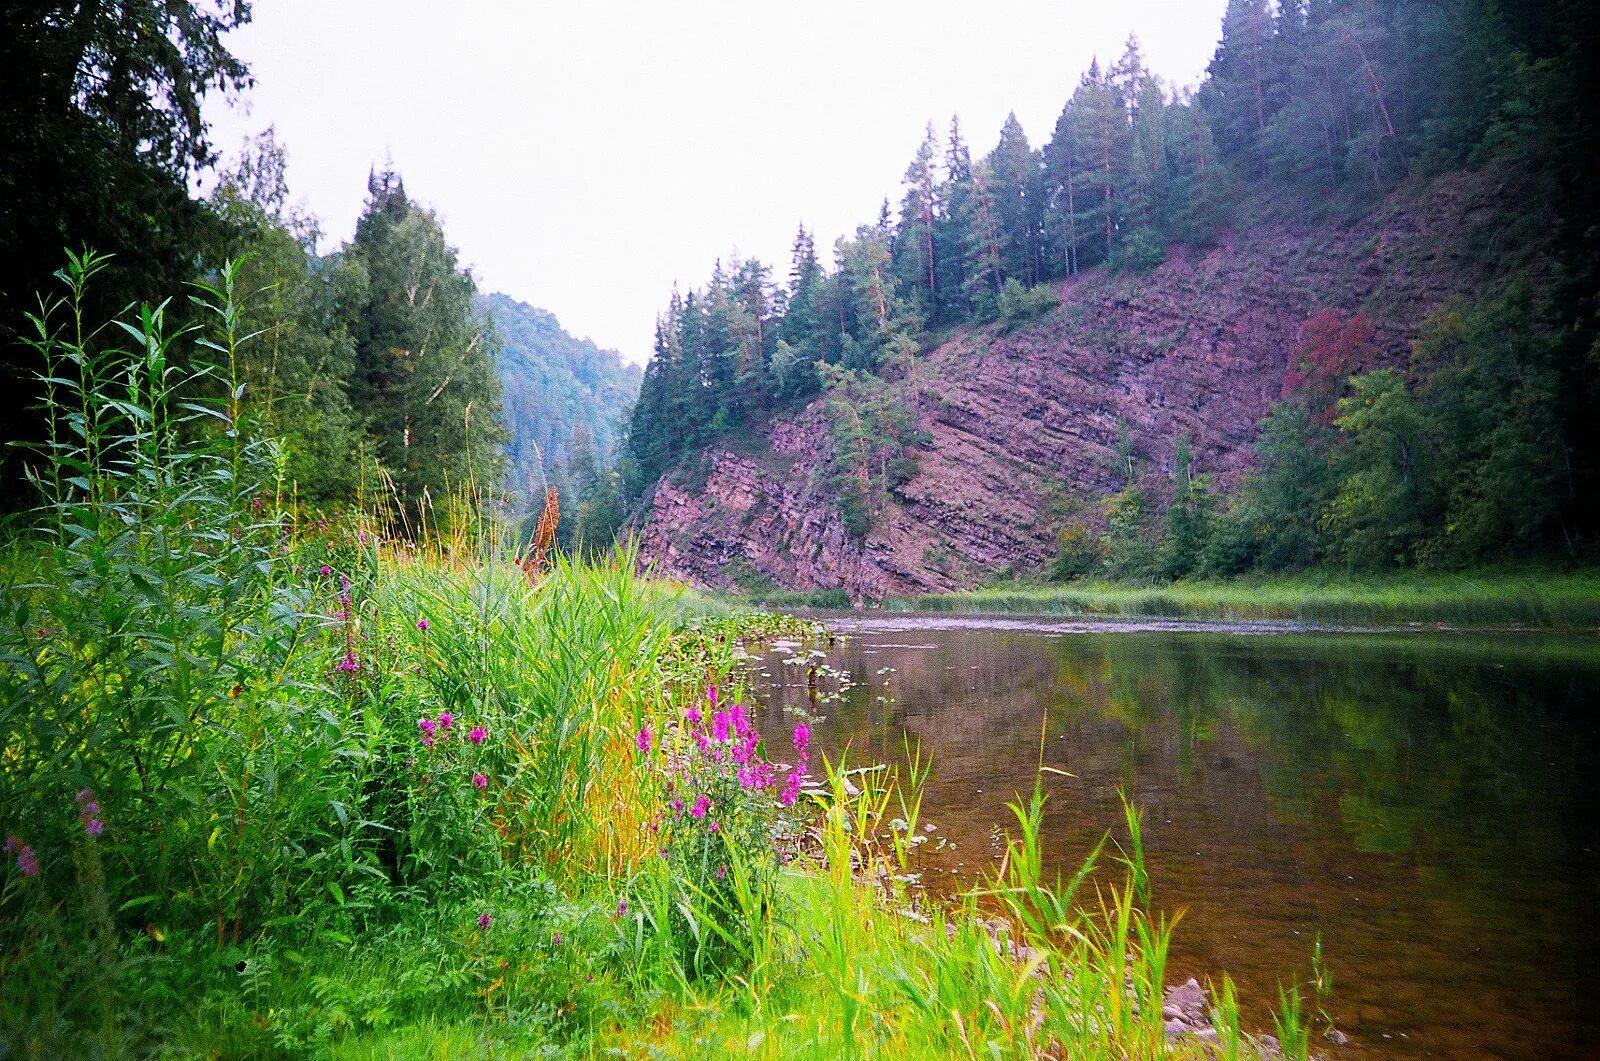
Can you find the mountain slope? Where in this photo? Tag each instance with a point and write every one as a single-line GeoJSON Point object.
{"type": "Point", "coordinates": [1198, 346]}
{"type": "Point", "coordinates": [554, 385]}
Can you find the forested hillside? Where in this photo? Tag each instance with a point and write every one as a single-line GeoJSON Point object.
{"type": "Point", "coordinates": [567, 404]}
{"type": "Point", "coordinates": [1333, 306]}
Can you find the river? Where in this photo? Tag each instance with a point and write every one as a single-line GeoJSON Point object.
{"type": "Point", "coordinates": [1427, 802]}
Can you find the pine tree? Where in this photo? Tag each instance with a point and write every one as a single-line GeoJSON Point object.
{"type": "Point", "coordinates": [1103, 126]}
{"type": "Point", "coordinates": [915, 257]}
{"type": "Point", "coordinates": [1062, 162]}
{"type": "Point", "coordinates": [1235, 92]}
{"type": "Point", "coordinates": [981, 243]}
{"type": "Point", "coordinates": [1014, 170]}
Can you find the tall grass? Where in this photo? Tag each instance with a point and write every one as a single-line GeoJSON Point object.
{"type": "Point", "coordinates": [1492, 598]}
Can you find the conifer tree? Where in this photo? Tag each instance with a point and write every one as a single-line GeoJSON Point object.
{"type": "Point", "coordinates": [1014, 169]}
{"type": "Point", "coordinates": [916, 261]}
{"type": "Point", "coordinates": [424, 369]}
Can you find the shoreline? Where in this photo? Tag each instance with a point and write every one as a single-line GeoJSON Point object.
{"type": "Point", "coordinates": [1480, 601]}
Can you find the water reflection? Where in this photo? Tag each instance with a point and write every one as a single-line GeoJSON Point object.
{"type": "Point", "coordinates": [1425, 802]}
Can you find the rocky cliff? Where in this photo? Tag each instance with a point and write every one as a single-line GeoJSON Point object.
{"type": "Point", "coordinates": [1198, 345]}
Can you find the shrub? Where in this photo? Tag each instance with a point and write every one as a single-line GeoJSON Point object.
{"type": "Point", "coordinates": [1017, 303]}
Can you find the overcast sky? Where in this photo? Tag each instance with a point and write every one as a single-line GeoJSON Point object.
{"type": "Point", "coordinates": [584, 156]}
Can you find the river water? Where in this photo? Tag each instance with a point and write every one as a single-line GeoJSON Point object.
{"type": "Point", "coordinates": [1428, 802]}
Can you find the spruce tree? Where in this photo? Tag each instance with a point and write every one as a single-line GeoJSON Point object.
{"type": "Point", "coordinates": [424, 378]}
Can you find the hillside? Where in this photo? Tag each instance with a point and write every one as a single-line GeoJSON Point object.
{"type": "Point", "coordinates": [554, 385]}
{"type": "Point", "coordinates": [1014, 421]}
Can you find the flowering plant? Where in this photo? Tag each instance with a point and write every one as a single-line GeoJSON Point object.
{"type": "Point", "coordinates": [453, 788]}
{"type": "Point", "coordinates": [721, 797]}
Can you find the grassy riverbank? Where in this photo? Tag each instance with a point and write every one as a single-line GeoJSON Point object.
{"type": "Point", "coordinates": [379, 803]}
{"type": "Point", "coordinates": [1492, 598]}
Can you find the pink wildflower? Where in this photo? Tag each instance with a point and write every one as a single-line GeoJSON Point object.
{"type": "Point", "coordinates": [484, 920]}
{"type": "Point", "coordinates": [426, 725]}
{"type": "Point", "coordinates": [88, 813]}
{"type": "Point", "coordinates": [326, 570]}
{"type": "Point", "coordinates": [722, 871]}
{"type": "Point", "coordinates": [422, 624]}
{"type": "Point", "coordinates": [719, 725]}
{"type": "Point", "coordinates": [802, 738]}
{"type": "Point", "coordinates": [622, 906]}
{"type": "Point", "coordinates": [477, 735]}
{"type": "Point", "coordinates": [479, 782]}
{"type": "Point", "coordinates": [693, 716]}
{"type": "Point", "coordinates": [714, 826]}
{"type": "Point", "coordinates": [445, 719]}
{"type": "Point", "coordinates": [25, 860]}
{"type": "Point", "coordinates": [791, 789]}
{"type": "Point", "coordinates": [555, 940]}
{"type": "Point", "coordinates": [700, 807]}
{"type": "Point", "coordinates": [644, 738]}
{"type": "Point", "coordinates": [427, 742]}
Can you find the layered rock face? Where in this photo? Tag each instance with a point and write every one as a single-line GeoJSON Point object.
{"type": "Point", "coordinates": [1198, 346]}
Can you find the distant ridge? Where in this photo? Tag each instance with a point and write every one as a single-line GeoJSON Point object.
{"type": "Point", "coordinates": [555, 385]}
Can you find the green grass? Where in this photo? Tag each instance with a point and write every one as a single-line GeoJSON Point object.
{"type": "Point", "coordinates": [1533, 599]}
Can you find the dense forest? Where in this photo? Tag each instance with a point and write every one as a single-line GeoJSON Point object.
{"type": "Point", "coordinates": [1475, 451]}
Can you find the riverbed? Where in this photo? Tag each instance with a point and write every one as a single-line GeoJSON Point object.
{"type": "Point", "coordinates": [1426, 802]}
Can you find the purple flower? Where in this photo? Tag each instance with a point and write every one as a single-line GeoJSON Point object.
{"type": "Point", "coordinates": [791, 789]}
{"type": "Point", "coordinates": [426, 725]}
{"type": "Point", "coordinates": [326, 570]}
{"type": "Point", "coordinates": [445, 719]}
{"type": "Point", "coordinates": [722, 871]}
{"type": "Point", "coordinates": [644, 739]}
{"type": "Point", "coordinates": [555, 940]}
{"type": "Point", "coordinates": [422, 624]}
{"type": "Point", "coordinates": [88, 811]}
{"type": "Point", "coordinates": [25, 860]}
{"type": "Point", "coordinates": [802, 738]}
{"type": "Point", "coordinates": [693, 716]}
{"type": "Point", "coordinates": [622, 906]}
{"type": "Point", "coordinates": [484, 920]}
{"type": "Point", "coordinates": [427, 742]}
{"type": "Point", "coordinates": [480, 782]}
{"type": "Point", "coordinates": [719, 725]}
{"type": "Point", "coordinates": [477, 735]}
{"type": "Point", "coordinates": [700, 807]}
{"type": "Point", "coordinates": [714, 826]}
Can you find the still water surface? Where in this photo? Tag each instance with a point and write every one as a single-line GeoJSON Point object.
{"type": "Point", "coordinates": [1428, 802]}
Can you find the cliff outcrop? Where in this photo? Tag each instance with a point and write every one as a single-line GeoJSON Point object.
{"type": "Point", "coordinates": [1199, 345]}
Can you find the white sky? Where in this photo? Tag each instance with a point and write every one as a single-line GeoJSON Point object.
{"type": "Point", "coordinates": [584, 156]}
